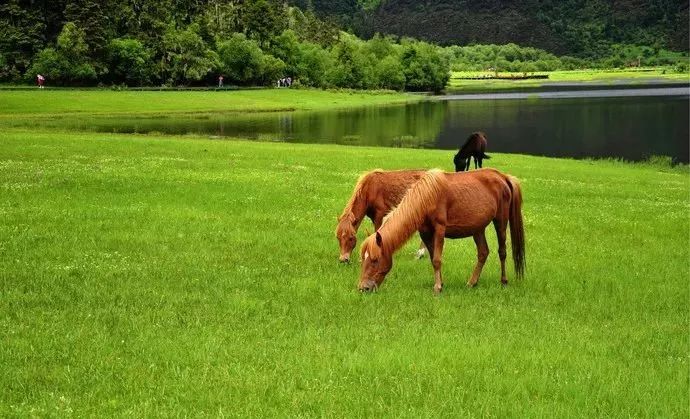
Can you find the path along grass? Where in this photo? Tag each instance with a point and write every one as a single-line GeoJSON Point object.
{"type": "Point", "coordinates": [150, 276]}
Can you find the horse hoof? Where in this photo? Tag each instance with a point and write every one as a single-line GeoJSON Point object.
{"type": "Point", "coordinates": [437, 290]}
{"type": "Point", "coordinates": [504, 282]}
{"type": "Point", "coordinates": [471, 284]}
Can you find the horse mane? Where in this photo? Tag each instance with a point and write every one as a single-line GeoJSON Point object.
{"type": "Point", "coordinates": [403, 220]}
{"type": "Point", "coordinates": [358, 192]}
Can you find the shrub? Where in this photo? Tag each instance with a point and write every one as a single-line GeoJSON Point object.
{"type": "Point", "coordinates": [128, 61]}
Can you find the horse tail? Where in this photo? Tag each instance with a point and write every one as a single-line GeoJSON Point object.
{"type": "Point", "coordinates": [517, 232]}
{"type": "Point", "coordinates": [485, 156]}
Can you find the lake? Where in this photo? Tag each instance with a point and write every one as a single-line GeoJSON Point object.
{"type": "Point", "coordinates": [632, 127]}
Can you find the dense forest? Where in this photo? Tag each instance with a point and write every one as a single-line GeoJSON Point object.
{"type": "Point", "coordinates": [580, 28]}
{"type": "Point", "coordinates": [178, 42]}
{"type": "Point", "coordinates": [256, 42]}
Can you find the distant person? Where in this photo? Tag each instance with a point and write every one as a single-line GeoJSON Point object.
{"type": "Point", "coordinates": [475, 146]}
{"type": "Point", "coordinates": [220, 82]}
{"type": "Point", "coordinates": [40, 80]}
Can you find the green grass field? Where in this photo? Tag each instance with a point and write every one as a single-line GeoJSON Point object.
{"type": "Point", "coordinates": [161, 276]}
{"type": "Point", "coordinates": [17, 103]}
{"type": "Point", "coordinates": [585, 77]}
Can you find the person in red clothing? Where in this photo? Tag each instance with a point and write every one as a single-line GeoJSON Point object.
{"type": "Point", "coordinates": [40, 80]}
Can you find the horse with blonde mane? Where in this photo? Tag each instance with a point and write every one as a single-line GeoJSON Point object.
{"type": "Point", "coordinates": [449, 205]}
{"type": "Point", "coordinates": [374, 195]}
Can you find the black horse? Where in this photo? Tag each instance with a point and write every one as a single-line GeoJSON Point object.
{"type": "Point", "coordinates": [475, 146]}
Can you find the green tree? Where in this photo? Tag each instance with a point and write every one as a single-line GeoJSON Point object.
{"type": "Point", "coordinates": [69, 63]}
{"type": "Point", "coordinates": [21, 36]}
{"type": "Point", "coordinates": [186, 56]}
{"type": "Point", "coordinates": [286, 47]}
{"type": "Point", "coordinates": [389, 73]}
{"type": "Point", "coordinates": [243, 62]}
{"type": "Point", "coordinates": [129, 61]}
{"type": "Point", "coordinates": [263, 20]}
{"type": "Point", "coordinates": [423, 67]}
{"type": "Point", "coordinates": [314, 65]}
{"type": "Point", "coordinates": [350, 69]}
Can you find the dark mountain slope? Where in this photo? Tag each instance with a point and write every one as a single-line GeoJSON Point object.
{"type": "Point", "coordinates": [576, 27]}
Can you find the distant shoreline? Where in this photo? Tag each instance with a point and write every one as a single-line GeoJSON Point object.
{"type": "Point", "coordinates": [683, 90]}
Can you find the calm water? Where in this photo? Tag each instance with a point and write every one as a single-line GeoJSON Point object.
{"type": "Point", "coordinates": [632, 128]}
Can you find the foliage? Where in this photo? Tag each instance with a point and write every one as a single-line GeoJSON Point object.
{"type": "Point", "coordinates": [424, 68]}
{"type": "Point", "coordinates": [128, 61]}
{"type": "Point", "coordinates": [582, 28]}
{"type": "Point", "coordinates": [243, 62]}
{"type": "Point", "coordinates": [186, 56]}
{"type": "Point", "coordinates": [21, 36]}
{"type": "Point", "coordinates": [177, 42]}
{"type": "Point", "coordinates": [69, 62]}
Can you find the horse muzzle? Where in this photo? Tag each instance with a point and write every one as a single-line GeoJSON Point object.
{"type": "Point", "coordinates": [368, 286]}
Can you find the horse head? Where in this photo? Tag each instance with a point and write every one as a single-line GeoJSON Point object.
{"type": "Point", "coordinates": [346, 235]}
{"type": "Point", "coordinates": [376, 263]}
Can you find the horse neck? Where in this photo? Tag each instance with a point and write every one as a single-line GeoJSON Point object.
{"type": "Point", "coordinates": [412, 212]}
{"type": "Point", "coordinates": [357, 205]}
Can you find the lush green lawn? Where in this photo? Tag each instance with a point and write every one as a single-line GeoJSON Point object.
{"type": "Point", "coordinates": [15, 103]}
{"type": "Point", "coordinates": [631, 76]}
{"type": "Point", "coordinates": [145, 276]}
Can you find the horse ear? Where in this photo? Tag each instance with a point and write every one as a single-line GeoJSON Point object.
{"type": "Point", "coordinates": [379, 240]}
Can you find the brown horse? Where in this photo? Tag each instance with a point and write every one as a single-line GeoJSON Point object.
{"type": "Point", "coordinates": [452, 205]}
{"type": "Point", "coordinates": [475, 146]}
{"type": "Point", "coordinates": [375, 194]}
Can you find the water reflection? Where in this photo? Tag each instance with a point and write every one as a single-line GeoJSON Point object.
{"type": "Point", "coordinates": [631, 128]}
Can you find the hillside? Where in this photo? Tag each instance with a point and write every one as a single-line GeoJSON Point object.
{"type": "Point", "coordinates": [573, 27]}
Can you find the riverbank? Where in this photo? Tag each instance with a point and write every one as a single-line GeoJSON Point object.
{"type": "Point", "coordinates": [16, 103]}
{"type": "Point", "coordinates": [160, 275]}
{"type": "Point", "coordinates": [478, 81]}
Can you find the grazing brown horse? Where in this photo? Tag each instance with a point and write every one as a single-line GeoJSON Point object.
{"type": "Point", "coordinates": [452, 205]}
{"type": "Point", "coordinates": [475, 146]}
{"type": "Point", "coordinates": [375, 194]}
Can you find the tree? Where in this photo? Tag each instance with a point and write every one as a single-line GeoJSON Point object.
{"type": "Point", "coordinates": [423, 67]}
{"type": "Point", "coordinates": [315, 63]}
{"type": "Point", "coordinates": [389, 73]}
{"type": "Point", "coordinates": [129, 61]}
{"type": "Point", "coordinates": [69, 63]}
{"type": "Point", "coordinates": [186, 56]}
{"type": "Point", "coordinates": [263, 20]}
{"type": "Point", "coordinates": [243, 62]}
{"type": "Point", "coordinates": [21, 36]}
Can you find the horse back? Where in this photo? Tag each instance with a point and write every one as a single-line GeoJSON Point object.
{"type": "Point", "coordinates": [387, 188]}
{"type": "Point", "coordinates": [475, 198]}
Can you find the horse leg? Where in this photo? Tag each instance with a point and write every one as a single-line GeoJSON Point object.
{"type": "Point", "coordinates": [475, 162]}
{"type": "Point", "coordinates": [480, 162]}
{"type": "Point", "coordinates": [421, 251]}
{"type": "Point", "coordinates": [467, 164]}
{"type": "Point", "coordinates": [434, 242]}
{"type": "Point", "coordinates": [500, 226]}
{"type": "Point", "coordinates": [439, 236]}
{"type": "Point", "coordinates": [482, 254]}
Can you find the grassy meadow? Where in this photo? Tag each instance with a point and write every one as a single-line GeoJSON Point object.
{"type": "Point", "coordinates": [170, 276]}
{"type": "Point", "coordinates": [639, 76]}
{"type": "Point", "coordinates": [182, 276]}
{"type": "Point", "coordinates": [61, 102]}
